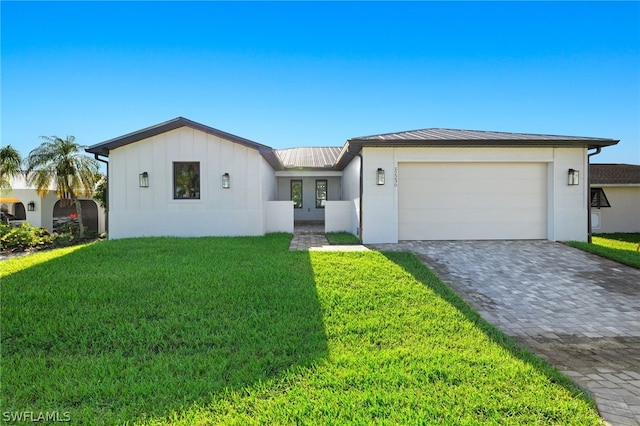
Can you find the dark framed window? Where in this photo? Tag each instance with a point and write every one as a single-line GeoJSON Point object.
{"type": "Point", "coordinates": [321, 193]}
{"type": "Point", "coordinates": [296, 193]}
{"type": "Point", "coordinates": [186, 180]}
{"type": "Point", "coordinates": [598, 198]}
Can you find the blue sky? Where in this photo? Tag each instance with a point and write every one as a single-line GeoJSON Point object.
{"type": "Point", "coordinates": [291, 74]}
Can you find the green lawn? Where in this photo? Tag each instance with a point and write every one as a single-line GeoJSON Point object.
{"type": "Point", "coordinates": [243, 331]}
{"type": "Point", "coordinates": [622, 248]}
{"type": "Point", "coordinates": [342, 238]}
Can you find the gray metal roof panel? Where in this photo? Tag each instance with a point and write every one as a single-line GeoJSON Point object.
{"type": "Point", "coordinates": [309, 157]}
{"type": "Point", "coordinates": [439, 134]}
{"type": "Point", "coordinates": [438, 137]}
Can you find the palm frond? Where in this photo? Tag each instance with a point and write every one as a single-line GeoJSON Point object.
{"type": "Point", "coordinates": [10, 162]}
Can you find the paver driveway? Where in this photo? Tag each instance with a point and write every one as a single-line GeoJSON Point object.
{"type": "Point", "coordinates": [579, 311]}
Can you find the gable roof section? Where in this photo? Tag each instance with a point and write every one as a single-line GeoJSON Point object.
{"type": "Point", "coordinates": [309, 158]}
{"type": "Point", "coordinates": [103, 148]}
{"type": "Point", "coordinates": [437, 137]}
{"type": "Point", "coordinates": [614, 174]}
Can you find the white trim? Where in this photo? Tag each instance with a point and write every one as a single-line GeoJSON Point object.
{"type": "Point", "coordinates": [309, 173]}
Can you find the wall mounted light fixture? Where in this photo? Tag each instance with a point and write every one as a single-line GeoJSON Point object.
{"type": "Point", "coordinates": [574, 177]}
{"type": "Point", "coordinates": [226, 181]}
{"type": "Point", "coordinates": [144, 180]}
{"type": "Point", "coordinates": [380, 176]}
{"type": "Point", "coordinates": [31, 206]}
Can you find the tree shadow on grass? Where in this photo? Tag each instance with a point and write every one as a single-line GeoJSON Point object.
{"type": "Point", "coordinates": [132, 329]}
{"type": "Point", "coordinates": [414, 266]}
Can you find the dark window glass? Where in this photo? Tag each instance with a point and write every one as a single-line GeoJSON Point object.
{"type": "Point", "coordinates": [321, 193]}
{"type": "Point", "coordinates": [598, 199]}
{"type": "Point", "coordinates": [186, 181]}
{"type": "Point", "coordinates": [296, 193]}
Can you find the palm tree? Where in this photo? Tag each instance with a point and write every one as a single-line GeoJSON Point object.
{"type": "Point", "coordinates": [10, 161]}
{"type": "Point", "coordinates": [60, 163]}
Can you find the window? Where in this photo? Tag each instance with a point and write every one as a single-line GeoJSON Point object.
{"type": "Point", "coordinates": [598, 199]}
{"type": "Point", "coordinates": [296, 193]}
{"type": "Point", "coordinates": [186, 181]}
{"type": "Point", "coordinates": [321, 193]}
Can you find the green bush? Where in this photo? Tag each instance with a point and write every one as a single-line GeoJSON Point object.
{"type": "Point", "coordinates": [23, 237]}
{"type": "Point", "coordinates": [63, 239]}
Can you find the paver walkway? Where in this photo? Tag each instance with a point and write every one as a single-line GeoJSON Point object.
{"type": "Point", "coordinates": [312, 237]}
{"type": "Point", "coordinates": [579, 311]}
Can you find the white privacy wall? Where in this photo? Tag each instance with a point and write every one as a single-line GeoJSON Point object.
{"type": "Point", "coordinates": [152, 211]}
{"type": "Point", "coordinates": [351, 192]}
{"type": "Point", "coordinates": [566, 205]}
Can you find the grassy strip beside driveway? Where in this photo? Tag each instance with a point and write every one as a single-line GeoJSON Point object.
{"type": "Point", "coordinates": [619, 247]}
{"type": "Point", "coordinates": [240, 330]}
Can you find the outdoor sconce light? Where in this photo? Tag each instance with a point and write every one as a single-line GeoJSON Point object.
{"type": "Point", "coordinates": [144, 180]}
{"type": "Point", "coordinates": [380, 176]}
{"type": "Point", "coordinates": [31, 206]}
{"type": "Point", "coordinates": [226, 181]}
{"type": "Point", "coordinates": [574, 177]}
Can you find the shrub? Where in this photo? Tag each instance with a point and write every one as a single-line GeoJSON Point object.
{"type": "Point", "coordinates": [64, 239]}
{"type": "Point", "coordinates": [23, 237]}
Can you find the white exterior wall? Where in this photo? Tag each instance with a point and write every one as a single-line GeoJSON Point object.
{"type": "Point", "coordinates": [567, 205]}
{"type": "Point", "coordinates": [269, 194]}
{"type": "Point", "coordinates": [309, 211]}
{"type": "Point", "coordinates": [42, 216]}
{"type": "Point", "coordinates": [624, 213]}
{"type": "Point", "coordinates": [340, 216]}
{"type": "Point", "coordinates": [152, 211]}
{"type": "Point", "coordinates": [279, 216]}
{"type": "Point", "coordinates": [351, 192]}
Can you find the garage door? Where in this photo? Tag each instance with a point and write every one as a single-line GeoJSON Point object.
{"type": "Point", "coordinates": [472, 201]}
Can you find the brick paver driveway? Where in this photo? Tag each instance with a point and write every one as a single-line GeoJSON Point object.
{"type": "Point", "coordinates": [579, 311]}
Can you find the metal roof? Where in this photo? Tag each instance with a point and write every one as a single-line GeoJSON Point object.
{"type": "Point", "coordinates": [614, 174]}
{"type": "Point", "coordinates": [103, 148]}
{"type": "Point", "coordinates": [437, 137]}
{"type": "Point", "coordinates": [437, 134]}
{"type": "Point", "coordinates": [322, 158]}
{"type": "Point", "coordinates": [309, 157]}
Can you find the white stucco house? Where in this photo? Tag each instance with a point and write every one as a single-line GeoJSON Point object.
{"type": "Point", "coordinates": [615, 198]}
{"type": "Point", "coordinates": [23, 204]}
{"type": "Point", "coordinates": [182, 178]}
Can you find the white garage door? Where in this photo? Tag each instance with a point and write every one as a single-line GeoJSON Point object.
{"type": "Point", "coordinates": [472, 201]}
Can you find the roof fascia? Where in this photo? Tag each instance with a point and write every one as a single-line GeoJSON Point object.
{"type": "Point", "coordinates": [103, 148]}
{"type": "Point", "coordinates": [589, 143]}
{"type": "Point", "coordinates": [612, 185]}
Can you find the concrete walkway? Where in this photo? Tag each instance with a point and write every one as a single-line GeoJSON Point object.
{"type": "Point", "coordinates": [579, 311]}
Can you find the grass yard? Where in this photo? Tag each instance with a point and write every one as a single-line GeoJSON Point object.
{"type": "Point", "coordinates": [342, 238]}
{"type": "Point", "coordinates": [242, 331]}
{"type": "Point", "coordinates": [622, 248]}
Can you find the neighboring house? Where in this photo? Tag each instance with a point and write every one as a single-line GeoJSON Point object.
{"type": "Point", "coordinates": [23, 204]}
{"type": "Point", "coordinates": [182, 178]}
{"type": "Point", "coordinates": [615, 198]}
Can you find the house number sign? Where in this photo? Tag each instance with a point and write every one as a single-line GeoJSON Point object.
{"type": "Point", "coordinates": [395, 176]}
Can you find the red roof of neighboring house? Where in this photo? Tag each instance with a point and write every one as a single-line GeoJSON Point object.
{"type": "Point", "coordinates": [612, 174]}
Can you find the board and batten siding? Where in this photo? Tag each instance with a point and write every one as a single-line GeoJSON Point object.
{"type": "Point", "coordinates": [152, 211]}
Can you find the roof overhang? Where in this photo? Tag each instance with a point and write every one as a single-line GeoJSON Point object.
{"type": "Point", "coordinates": [354, 146]}
{"type": "Point", "coordinates": [103, 148]}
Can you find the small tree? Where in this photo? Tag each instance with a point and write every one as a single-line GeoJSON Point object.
{"type": "Point", "coordinates": [60, 163]}
{"type": "Point", "coordinates": [100, 192]}
{"type": "Point", "coordinates": [10, 161]}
